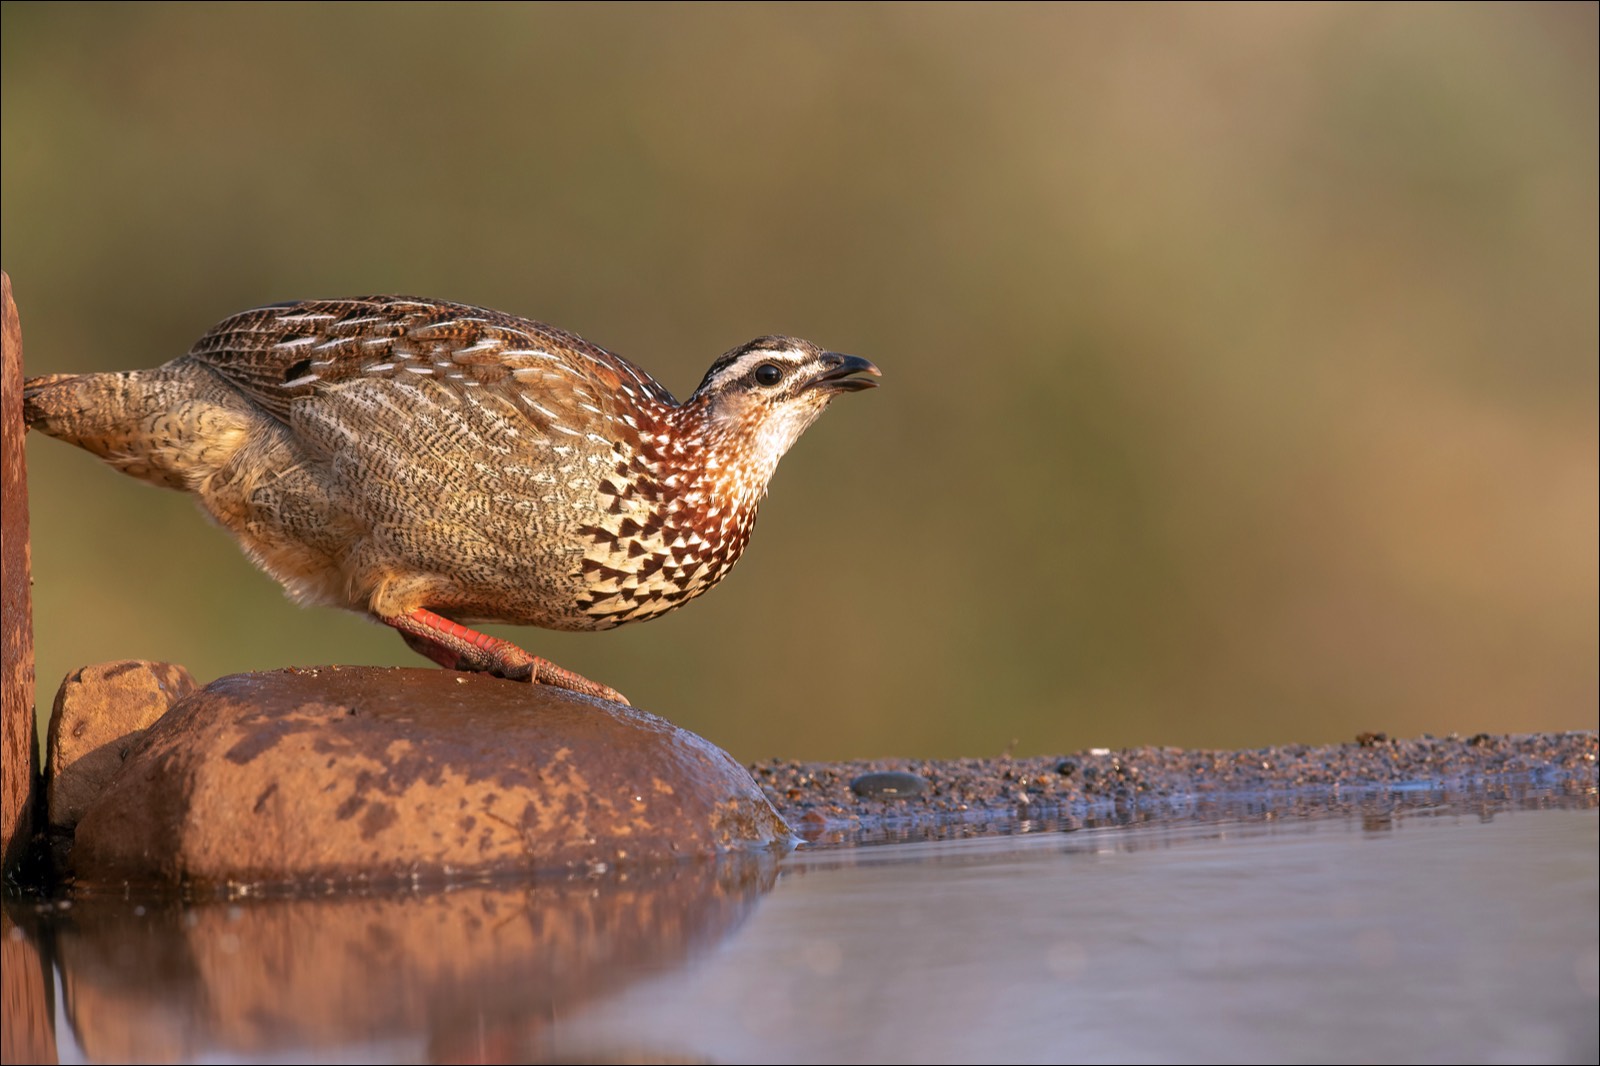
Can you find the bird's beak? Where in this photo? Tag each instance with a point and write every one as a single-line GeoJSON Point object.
{"type": "Point", "coordinates": [837, 377]}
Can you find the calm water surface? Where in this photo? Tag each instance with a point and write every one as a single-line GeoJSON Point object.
{"type": "Point", "coordinates": [1428, 937]}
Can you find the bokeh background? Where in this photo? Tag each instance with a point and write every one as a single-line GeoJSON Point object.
{"type": "Point", "coordinates": [1240, 361]}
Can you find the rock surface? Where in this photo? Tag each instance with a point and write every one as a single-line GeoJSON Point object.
{"type": "Point", "coordinates": [101, 712]}
{"type": "Point", "coordinates": [368, 775]}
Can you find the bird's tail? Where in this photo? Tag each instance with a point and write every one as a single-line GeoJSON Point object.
{"type": "Point", "coordinates": [146, 423]}
{"type": "Point", "coordinates": [37, 401]}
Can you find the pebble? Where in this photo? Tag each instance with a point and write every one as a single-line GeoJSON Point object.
{"type": "Point", "coordinates": [889, 784]}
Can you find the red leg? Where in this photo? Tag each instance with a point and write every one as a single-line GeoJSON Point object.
{"type": "Point", "coordinates": [456, 647]}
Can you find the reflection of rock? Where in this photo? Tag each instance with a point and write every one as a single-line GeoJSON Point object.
{"type": "Point", "coordinates": [473, 967]}
{"type": "Point", "coordinates": [370, 775]}
{"type": "Point", "coordinates": [100, 712]}
{"type": "Point", "coordinates": [27, 1015]}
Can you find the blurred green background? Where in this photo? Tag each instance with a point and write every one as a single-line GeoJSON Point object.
{"type": "Point", "coordinates": [1240, 362]}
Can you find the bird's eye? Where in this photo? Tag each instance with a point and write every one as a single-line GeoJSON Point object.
{"type": "Point", "coordinates": [769, 374]}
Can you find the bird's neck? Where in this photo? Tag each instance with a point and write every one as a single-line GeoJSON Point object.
{"type": "Point", "coordinates": [717, 463]}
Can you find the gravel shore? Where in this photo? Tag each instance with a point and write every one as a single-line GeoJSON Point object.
{"type": "Point", "coordinates": [886, 800]}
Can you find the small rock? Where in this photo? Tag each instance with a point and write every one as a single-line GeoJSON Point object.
{"type": "Point", "coordinates": [101, 712]}
{"type": "Point", "coordinates": [890, 784]}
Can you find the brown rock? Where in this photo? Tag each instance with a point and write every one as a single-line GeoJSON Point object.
{"type": "Point", "coordinates": [19, 736]}
{"type": "Point", "coordinates": [373, 775]}
{"type": "Point", "coordinates": [101, 712]}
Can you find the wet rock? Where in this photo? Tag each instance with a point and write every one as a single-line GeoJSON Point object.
{"type": "Point", "coordinates": [891, 784]}
{"type": "Point", "coordinates": [366, 775]}
{"type": "Point", "coordinates": [101, 712]}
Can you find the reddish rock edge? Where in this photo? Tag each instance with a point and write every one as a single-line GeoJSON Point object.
{"type": "Point", "coordinates": [19, 738]}
{"type": "Point", "coordinates": [370, 775]}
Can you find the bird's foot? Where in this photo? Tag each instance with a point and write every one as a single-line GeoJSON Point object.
{"type": "Point", "coordinates": [456, 647]}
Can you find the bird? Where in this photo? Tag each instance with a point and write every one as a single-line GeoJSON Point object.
{"type": "Point", "coordinates": [435, 465]}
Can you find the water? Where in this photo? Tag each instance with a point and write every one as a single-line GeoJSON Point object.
{"type": "Point", "coordinates": [1427, 936]}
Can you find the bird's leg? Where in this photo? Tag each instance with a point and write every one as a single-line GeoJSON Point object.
{"type": "Point", "coordinates": [456, 647]}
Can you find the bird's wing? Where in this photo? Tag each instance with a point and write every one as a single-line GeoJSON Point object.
{"type": "Point", "coordinates": [282, 353]}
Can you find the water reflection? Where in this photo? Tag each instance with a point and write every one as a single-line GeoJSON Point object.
{"type": "Point", "coordinates": [1442, 938]}
{"type": "Point", "coordinates": [27, 1032]}
{"type": "Point", "coordinates": [1405, 925]}
{"type": "Point", "coordinates": [474, 973]}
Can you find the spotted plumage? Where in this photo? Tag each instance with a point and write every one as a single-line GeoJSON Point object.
{"type": "Point", "coordinates": [433, 464]}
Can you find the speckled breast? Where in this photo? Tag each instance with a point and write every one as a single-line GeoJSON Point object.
{"type": "Point", "coordinates": [664, 530]}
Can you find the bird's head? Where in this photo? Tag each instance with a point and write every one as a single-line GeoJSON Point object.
{"type": "Point", "coordinates": [766, 393]}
